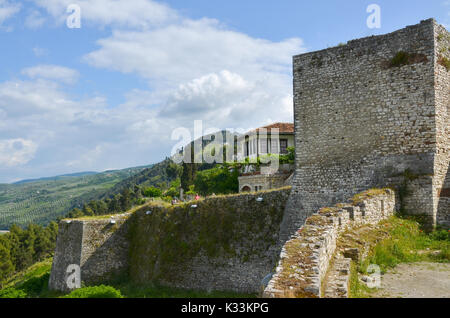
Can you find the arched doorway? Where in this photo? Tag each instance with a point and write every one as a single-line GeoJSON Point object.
{"type": "Point", "coordinates": [246, 189]}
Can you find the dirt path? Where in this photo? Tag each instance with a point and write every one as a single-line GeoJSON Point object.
{"type": "Point", "coordinates": [418, 280]}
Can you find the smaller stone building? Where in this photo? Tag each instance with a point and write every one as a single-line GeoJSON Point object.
{"type": "Point", "coordinates": [266, 179]}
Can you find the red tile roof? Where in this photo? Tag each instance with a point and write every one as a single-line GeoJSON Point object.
{"type": "Point", "coordinates": [284, 128]}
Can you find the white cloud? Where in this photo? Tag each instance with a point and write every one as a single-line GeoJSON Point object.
{"type": "Point", "coordinates": [8, 9]}
{"type": "Point", "coordinates": [34, 20]}
{"type": "Point", "coordinates": [67, 132]}
{"type": "Point", "coordinates": [117, 13]}
{"type": "Point", "coordinates": [226, 100]}
{"type": "Point", "coordinates": [53, 72]}
{"type": "Point", "coordinates": [206, 71]}
{"type": "Point", "coordinates": [197, 69]}
{"type": "Point", "coordinates": [15, 152]}
{"type": "Point", "coordinates": [210, 93]}
{"type": "Point", "coordinates": [181, 52]}
{"type": "Point", "coordinates": [39, 51]}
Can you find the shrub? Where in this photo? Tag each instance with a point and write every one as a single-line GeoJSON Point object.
{"type": "Point", "coordinates": [401, 58]}
{"type": "Point", "coordinates": [172, 192]}
{"type": "Point", "coordinates": [220, 180]}
{"type": "Point", "coordinates": [440, 235]}
{"type": "Point", "coordinates": [191, 190]}
{"type": "Point", "coordinates": [289, 157]}
{"type": "Point", "coordinates": [101, 291]}
{"type": "Point", "coordinates": [12, 293]}
{"type": "Point", "coordinates": [35, 285]}
{"type": "Point", "coordinates": [152, 192]}
{"type": "Point", "coordinates": [405, 58]}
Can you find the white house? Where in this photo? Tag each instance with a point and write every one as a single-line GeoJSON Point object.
{"type": "Point", "coordinates": [271, 139]}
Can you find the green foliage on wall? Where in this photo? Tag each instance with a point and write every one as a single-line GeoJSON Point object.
{"type": "Point", "coordinates": [402, 58]}
{"type": "Point", "coordinates": [445, 62]}
{"type": "Point", "coordinates": [164, 240]}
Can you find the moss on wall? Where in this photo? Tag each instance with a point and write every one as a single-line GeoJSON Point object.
{"type": "Point", "coordinates": [241, 228]}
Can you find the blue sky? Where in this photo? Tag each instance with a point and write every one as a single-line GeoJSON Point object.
{"type": "Point", "coordinates": [109, 95]}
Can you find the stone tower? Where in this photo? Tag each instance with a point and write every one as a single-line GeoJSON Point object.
{"type": "Point", "coordinates": [374, 113]}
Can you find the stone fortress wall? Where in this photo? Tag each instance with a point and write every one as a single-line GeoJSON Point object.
{"type": "Point", "coordinates": [227, 243]}
{"type": "Point", "coordinates": [364, 122]}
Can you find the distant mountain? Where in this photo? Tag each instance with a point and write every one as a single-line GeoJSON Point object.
{"type": "Point", "coordinates": [77, 174]}
{"type": "Point", "coordinates": [44, 200]}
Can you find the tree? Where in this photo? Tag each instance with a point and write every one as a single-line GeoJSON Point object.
{"type": "Point", "coordinates": [87, 210]}
{"type": "Point", "coordinates": [6, 264]}
{"type": "Point", "coordinates": [188, 175]}
{"type": "Point", "coordinates": [102, 208]}
{"type": "Point", "coordinates": [173, 170]}
{"type": "Point", "coordinates": [137, 192]}
{"type": "Point", "coordinates": [171, 192]}
{"type": "Point", "coordinates": [125, 200]}
{"type": "Point", "coordinates": [43, 244]}
{"type": "Point", "coordinates": [15, 232]}
{"type": "Point", "coordinates": [20, 248]}
{"type": "Point", "coordinates": [75, 213]}
{"type": "Point", "coordinates": [152, 192]}
{"type": "Point", "coordinates": [114, 205]}
{"type": "Point", "coordinates": [223, 180]}
{"type": "Point", "coordinates": [25, 252]}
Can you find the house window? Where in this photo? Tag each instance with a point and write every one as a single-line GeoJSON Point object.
{"type": "Point", "coordinates": [283, 146]}
{"type": "Point", "coordinates": [263, 143]}
{"type": "Point", "coordinates": [273, 146]}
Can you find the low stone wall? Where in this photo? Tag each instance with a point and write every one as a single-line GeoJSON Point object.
{"type": "Point", "coordinates": [305, 258]}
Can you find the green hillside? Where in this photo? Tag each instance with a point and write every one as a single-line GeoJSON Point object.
{"type": "Point", "coordinates": [44, 200]}
{"type": "Point", "coordinates": [152, 176]}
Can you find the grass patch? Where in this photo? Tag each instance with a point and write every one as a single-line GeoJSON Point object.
{"type": "Point", "coordinates": [360, 197]}
{"type": "Point", "coordinates": [129, 290]}
{"type": "Point", "coordinates": [445, 62]}
{"type": "Point", "coordinates": [101, 291]}
{"type": "Point", "coordinates": [404, 241]}
{"type": "Point", "coordinates": [31, 283]}
{"type": "Point", "coordinates": [358, 289]}
{"type": "Point", "coordinates": [407, 243]}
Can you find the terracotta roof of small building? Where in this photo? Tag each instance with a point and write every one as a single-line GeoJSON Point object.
{"type": "Point", "coordinates": [284, 128]}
